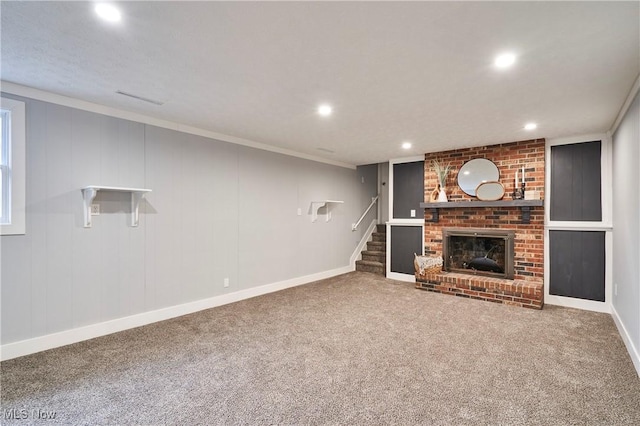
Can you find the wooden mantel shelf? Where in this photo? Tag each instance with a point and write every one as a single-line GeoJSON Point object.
{"type": "Point", "coordinates": [465, 204]}
{"type": "Point", "coordinates": [524, 205]}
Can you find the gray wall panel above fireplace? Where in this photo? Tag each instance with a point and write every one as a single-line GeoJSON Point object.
{"type": "Point", "coordinates": [575, 182]}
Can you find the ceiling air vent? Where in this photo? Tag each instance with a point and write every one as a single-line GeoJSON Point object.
{"type": "Point", "coordinates": [326, 150]}
{"type": "Point", "coordinates": [140, 98]}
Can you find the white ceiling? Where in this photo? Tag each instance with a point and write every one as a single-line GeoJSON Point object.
{"type": "Point", "coordinates": [393, 71]}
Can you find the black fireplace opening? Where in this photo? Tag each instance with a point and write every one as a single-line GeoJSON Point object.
{"type": "Point", "coordinates": [486, 252]}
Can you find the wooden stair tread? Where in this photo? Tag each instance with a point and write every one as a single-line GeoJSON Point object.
{"type": "Point", "coordinates": [376, 250]}
{"type": "Point", "coordinates": [370, 262]}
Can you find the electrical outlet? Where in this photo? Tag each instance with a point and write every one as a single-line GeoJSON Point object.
{"type": "Point", "coordinates": [615, 289]}
{"type": "Point", "coordinates": [362, 179]}
{"type": "Point", "coordinates": [95, 209]}
{"type": "Point", "coordinates": [413, 213]}
{"type": "Point", "coordinates": [226, 282]}
{"type": "Point", "coordinates": [299, 211]}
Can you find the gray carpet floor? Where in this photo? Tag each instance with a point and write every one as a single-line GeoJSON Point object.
{"type": "Point", "coordinates": [354, 349]}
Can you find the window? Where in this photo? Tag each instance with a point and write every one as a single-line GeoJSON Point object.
{"type": "Point", "coordinates": [12, 167]}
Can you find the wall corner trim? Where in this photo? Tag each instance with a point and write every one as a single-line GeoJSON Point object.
{"type": "Point", "coordinates": [67, 337]}
{"type": "Point", "coordinates": [627, 103]}
{"type": "Point", "coordinates": [634, 353]}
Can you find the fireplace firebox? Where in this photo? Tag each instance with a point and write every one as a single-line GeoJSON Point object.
{"type": "Point", "coordinates": [488, 252]}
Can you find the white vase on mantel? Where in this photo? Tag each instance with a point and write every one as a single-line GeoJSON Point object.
{"type": "Point", "coordinates": [442, 196]}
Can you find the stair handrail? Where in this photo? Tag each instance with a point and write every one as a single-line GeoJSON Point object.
{"type": "Point", "coordinates": [354, 226]}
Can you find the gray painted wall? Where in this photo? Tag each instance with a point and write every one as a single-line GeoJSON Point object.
{"type": "Point", "coordinates": [626, 221]}
{"type": "Point", "coordinates": [408, 190]}
{"type": "Point", "coordinates": [576, 182]}
{"type": "Point", "coordinates": [577, 264]}
{"type": "Point", "coordinates": [383, 212]}
{"type": "Point", "coordinates": [406, 242]}
{"type": "Point", "coordinates": [217, 210]}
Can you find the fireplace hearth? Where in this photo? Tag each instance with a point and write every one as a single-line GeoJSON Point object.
{"type": "Point", "coordinates": [488, 252]}
{"type": "Point", "coordinates": [477, 274]}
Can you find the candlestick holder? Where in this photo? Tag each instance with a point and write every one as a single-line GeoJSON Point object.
{"type": "Point", "coordinates": [518, 193]}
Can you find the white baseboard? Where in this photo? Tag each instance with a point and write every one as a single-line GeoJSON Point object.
{"type": "Point", "coordinates": [572, 302]}
{"type": "Point", "coordinates": [401, 277]}
{"type": "Point", "coordinates": [633, 351]}
{"type": "Point", "coordinates": [67, 337]}
{"type": "Point", "coordinates": [357, 253]}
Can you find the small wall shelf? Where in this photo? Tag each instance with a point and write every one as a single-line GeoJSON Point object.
{"type": "Point", "coordinates": [90, 192]}
{"type": "Point", "coordinates": [524, 205]}
{"type": "Point", "coordinates": [317, 205]}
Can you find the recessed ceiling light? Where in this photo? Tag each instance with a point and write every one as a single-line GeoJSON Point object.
{"type": "Point", "coordinates": [530, 126]}
{"type": "Point", "coordinates": [108, 12]}
{"type": "Point", "coordinates": [406, 145]}
{"type": "Point", "coordinates": [325, 110]}
{"type": "Point", "coordinates": [505, 60]}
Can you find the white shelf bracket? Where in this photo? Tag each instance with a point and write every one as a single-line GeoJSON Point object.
{"type": "Point", "coordinates": [317, 205]}
{"type": "Point", "coordinates": [88, 194]}
{"type": "Point", "coordinates": [136, 197]}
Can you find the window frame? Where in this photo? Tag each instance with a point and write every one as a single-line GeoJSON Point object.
{"type": "Point", "coordinates": [16, 168]}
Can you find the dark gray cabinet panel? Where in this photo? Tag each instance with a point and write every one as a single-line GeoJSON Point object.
{"type": "Point", "coordinates": [405, 241]}
{"type": "Point", "coordinates": [408, 189]}
{"type": "Point", "coordinates": [575, 182]}
{"type": "Point", "coordinates": [577, 264]}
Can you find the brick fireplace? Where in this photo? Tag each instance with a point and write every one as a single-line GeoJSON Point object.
{"type": "Point", "coordinates": [525, 286]}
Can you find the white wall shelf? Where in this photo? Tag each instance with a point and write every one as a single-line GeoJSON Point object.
{"type": "Point", "coordinates": [317, 205]}
{"type": "Point", "coordinates": [90, 192]}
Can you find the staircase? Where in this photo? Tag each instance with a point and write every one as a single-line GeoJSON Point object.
{"type": "Point", "coordinates": [374, 258]}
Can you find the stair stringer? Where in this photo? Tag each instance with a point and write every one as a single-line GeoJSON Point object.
{"type": "Point", "coordinates": [366, 237]}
